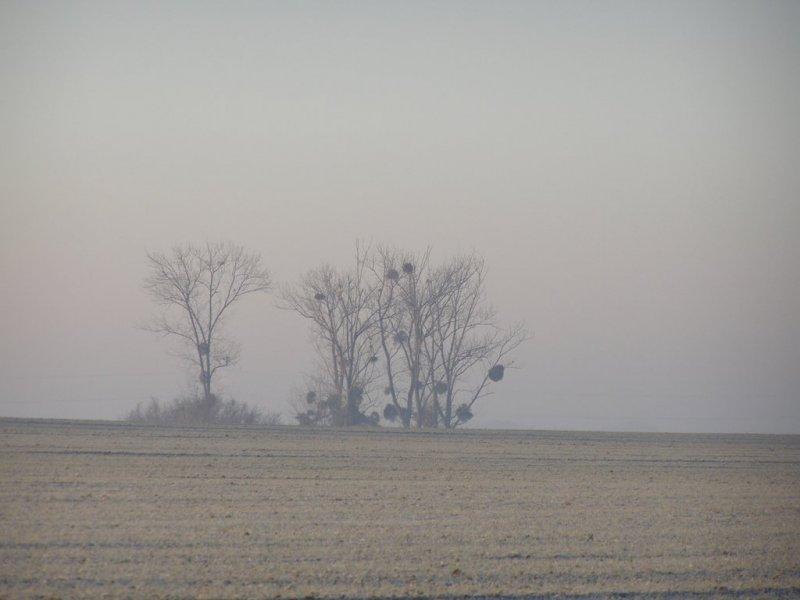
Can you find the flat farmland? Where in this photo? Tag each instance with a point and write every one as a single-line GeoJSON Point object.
{"type": "Point", "coordinates": [100, 509]}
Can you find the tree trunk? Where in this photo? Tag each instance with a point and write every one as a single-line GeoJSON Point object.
{"type": "Point", "coordinates": [448, 414]}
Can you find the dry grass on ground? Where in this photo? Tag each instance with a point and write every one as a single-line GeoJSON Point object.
{"type": "Point", "coordinates": [102, 509]}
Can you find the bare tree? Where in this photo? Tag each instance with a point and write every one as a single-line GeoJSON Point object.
{"type": "Point", "coordinates": [403, 303]}
{"type": "Point", "coordinates": [467, 348]}
{"type": "Point", "coordinates": [440, 338]}
{"type": "Point", "coordinates": [339, 304]}
{"type": "Point", "coordinates": [196, 286]}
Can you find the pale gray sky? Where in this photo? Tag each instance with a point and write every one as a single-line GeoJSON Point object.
{"type": "Point", "coordinates": [629, 169]}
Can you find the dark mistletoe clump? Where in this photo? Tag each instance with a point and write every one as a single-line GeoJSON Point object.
{"type": "Point", "coordinates": [496, 372]}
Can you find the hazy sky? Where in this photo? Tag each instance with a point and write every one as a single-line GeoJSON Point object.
{"type": "Point", "coordinates": [630, 170]}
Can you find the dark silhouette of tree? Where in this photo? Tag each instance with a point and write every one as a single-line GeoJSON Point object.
{"type": "Point", "coordinates": [467, 347]}
{"type": "Point", "coordinates": [195, 286]}
{"type": "Point", "coordinates": [340, 307]}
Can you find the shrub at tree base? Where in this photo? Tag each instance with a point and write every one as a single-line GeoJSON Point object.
{"type": "Point", "coordinates": [199, 410]}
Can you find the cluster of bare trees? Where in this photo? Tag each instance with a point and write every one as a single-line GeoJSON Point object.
{"type": "Point", "coordinates": [397, 330]}
{"type": "Point", "coordinates": [392, 332]}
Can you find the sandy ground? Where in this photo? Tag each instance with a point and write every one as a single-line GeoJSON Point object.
{"type": "Point", "coordinates": [103, 509]}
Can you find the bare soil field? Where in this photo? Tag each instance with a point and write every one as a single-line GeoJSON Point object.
{"type": "Point", "coordinates": [98, 509]}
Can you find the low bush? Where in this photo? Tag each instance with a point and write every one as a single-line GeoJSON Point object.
{"type": "Point", "coordinates": [197, 410]}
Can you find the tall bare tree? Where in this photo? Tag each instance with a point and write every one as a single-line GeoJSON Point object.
{"type": "Point", "coordinates": [466, 348]}
{"type": "Point", "coordinates": [404, 301]}
{"type": "Point", "coordinates": [441, 342]}
{"type": "Point", "coordinates": [339, 305]}
{"type": "Point", "coordinates": [196, 285]}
